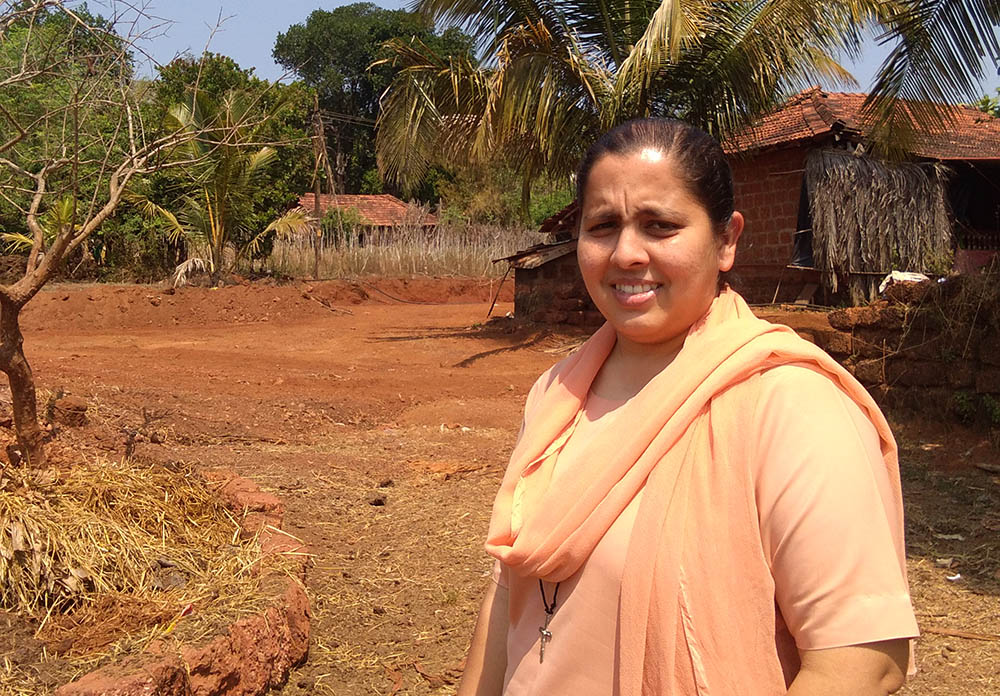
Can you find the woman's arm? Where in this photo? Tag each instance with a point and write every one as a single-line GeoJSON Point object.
{"type": "Point", "coordinates": [872, 669]}
{"type": "Point", "coordinates": [486, 663]}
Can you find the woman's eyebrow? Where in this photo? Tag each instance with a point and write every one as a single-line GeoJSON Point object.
{"type": "Point", "coordinates": [654, 210]}
{"type": "Point", "coordinates": [600, 214]}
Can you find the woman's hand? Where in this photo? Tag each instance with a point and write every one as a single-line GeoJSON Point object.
{"type": "Point", "coordinates": [486, 662]}
{"type": "Point", "coordinates": [871, 669]}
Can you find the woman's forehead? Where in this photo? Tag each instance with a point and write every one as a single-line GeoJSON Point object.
{"type": "Point", "coordinates": [646, 174]}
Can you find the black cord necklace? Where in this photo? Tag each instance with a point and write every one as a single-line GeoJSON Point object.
{"type": "Point", "coordinates": [550, 609]}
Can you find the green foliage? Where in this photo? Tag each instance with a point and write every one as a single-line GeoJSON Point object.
{"type": "Point", "coordinates": [989, 105]}
{"type": "Point", "coordinates": [129, 247]}
{"type": "Point", "coordinates": [250, 186]}
{"type": "Point", "coordinates": [492, 195]}
{"type": "Point", "coordinates": [560, 73]}
{"type": "Point", "coordinates": [991, 409]}
{"type": "Point", "coordinates": [973, 409]}
{"type": "Point", "coordinates": [332, 53]}
{"type": "Point", "coordinates": [218, 204]}
{"type": "Point", "coordinates": [76, 69]}
{"type": "Point", "coordinates": [341, 218]}
{"type": "Point", "coordinates": [371, 182]}
{"type": "Point", "coordinates": [213, 74]}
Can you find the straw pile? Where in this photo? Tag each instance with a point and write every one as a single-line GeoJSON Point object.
{"type": "Point", "coordinates": [871, 217]}
{"type": "Point", "coordinates": [108, 556]}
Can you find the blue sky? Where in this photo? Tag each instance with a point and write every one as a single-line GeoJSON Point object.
{"type": "Point", "coordinates": [251, 26]}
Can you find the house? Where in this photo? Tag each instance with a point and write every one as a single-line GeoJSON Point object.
{"type": "Point", "coordinates": [381, 213]}
{"type": "Point", "coordinates": [822, 218]}
{"type": "Point", "coordinates": [817, 208]}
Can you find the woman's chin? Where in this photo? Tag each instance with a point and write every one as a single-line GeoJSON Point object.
{"type": "Point", "coordinates": [644, 330]}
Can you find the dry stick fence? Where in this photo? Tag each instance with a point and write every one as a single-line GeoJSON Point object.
{"type": "Point", "coordinates": [408, 249]}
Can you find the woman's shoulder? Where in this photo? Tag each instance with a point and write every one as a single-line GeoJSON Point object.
{"type": "Point", "coordinates": [544, 382]}
{"type": "Point", "coordinates": [797, 391]}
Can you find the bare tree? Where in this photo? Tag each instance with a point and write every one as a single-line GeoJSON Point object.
{"type": "Point", "coordinates": [74, 133]}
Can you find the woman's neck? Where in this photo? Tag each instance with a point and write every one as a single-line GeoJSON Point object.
{"type": "Point", "coordinates": [630, 366]}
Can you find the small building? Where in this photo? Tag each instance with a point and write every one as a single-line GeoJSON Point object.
{"type": "Point", "coordinates": [819, 210]}
{"type": "Point", "coordinates": [381, 213]}
{"type": "Point", "coordinates": [823, 219]}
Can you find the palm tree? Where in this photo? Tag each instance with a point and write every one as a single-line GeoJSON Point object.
{"type": "Point", "coordinates": [215, 213]}
{"type": "Point", "coordinates": [559, 73]}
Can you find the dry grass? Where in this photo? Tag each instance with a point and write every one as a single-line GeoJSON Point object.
{"type": "Point", "coordinates": [107, 556]}
{"type": "Point", "coordinates": [448, 250]}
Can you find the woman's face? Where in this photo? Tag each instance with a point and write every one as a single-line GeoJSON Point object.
{"type": "Point", "coordinates": [648, 252]}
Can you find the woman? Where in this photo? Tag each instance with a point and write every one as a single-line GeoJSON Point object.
{"type": "Point", "coordinates": [700, 502]}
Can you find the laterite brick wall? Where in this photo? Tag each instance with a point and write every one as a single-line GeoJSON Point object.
{"type": "Point", "coordinates": [554, 294]}
{"type": "Point", "coordinates": [768, 187]}
{"type": "Point", "coordinates": [903, 353]}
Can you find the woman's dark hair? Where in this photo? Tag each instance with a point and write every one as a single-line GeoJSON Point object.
{"type": "Point", "coordinates": [698, 159]}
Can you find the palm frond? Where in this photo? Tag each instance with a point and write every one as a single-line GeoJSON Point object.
{"type": "Point", "coordinates": [488, 20]}
{"type": "Point", "coordinates": [431, 110]}
{"type": "Point", "coordinates": [294, 223]}
{"type": "Point", "coordinates": [936, 62]}
{"type": "Point", "coordinates": [676, 25]}
{"type": "Point", "coordinates": [187, 268]}
{"type": "Point", "coordinates": [151, 210]}
{"type": "Point", "coordinates": [16, 242]}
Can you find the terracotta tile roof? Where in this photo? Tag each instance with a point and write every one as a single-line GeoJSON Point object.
{"type": "Point", "coordinates": [382, 210]}
{"type": "Point", "coordinates": [814, 115]}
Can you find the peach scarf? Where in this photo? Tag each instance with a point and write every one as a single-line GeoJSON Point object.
{"type": "Point", "coordinates": [694, 571]}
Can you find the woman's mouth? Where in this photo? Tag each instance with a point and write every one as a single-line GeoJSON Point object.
{"type": "Point", "coordinates": [633, 295]}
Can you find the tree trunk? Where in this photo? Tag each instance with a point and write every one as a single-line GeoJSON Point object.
{"type": "Point", "coordinates": [22, 384]}
{"type": "Point", "coordinates": [217, 254]}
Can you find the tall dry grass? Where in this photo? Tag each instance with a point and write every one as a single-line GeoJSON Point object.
{"type": "Point", "coordinates": [447, 250]}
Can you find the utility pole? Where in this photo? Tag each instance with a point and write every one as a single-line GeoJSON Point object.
{"type": "Point", "coordinates": [319, 153]}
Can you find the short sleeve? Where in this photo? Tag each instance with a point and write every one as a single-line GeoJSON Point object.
{"type": "Point", "coordinates": [500, 574]}
{"type": "Point", "coordinates": [826, 510]}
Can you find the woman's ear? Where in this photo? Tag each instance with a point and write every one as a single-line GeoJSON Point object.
{"type": "Point", "coordinates": [728, 239]}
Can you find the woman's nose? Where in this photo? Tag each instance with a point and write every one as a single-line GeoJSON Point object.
{"type": "Point", "coordinates": [629, 249]}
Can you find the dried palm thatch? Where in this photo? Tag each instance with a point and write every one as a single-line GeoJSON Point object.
{"type": "Point", "coordinates": [870, 217]}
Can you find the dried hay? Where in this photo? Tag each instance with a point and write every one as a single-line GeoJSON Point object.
{"type": "Point", "coordinates": [108, 556]}
{"type": "Point", "coordinates": [870, 217]}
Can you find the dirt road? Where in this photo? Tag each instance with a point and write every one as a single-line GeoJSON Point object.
{"type": "Point", "coordinates": [385, 424]}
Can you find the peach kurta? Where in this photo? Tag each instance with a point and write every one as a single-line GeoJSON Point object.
{"type": "Point", "coordinates": [822, 530]}
{"type": "Point", "coordinates": [760, 497]}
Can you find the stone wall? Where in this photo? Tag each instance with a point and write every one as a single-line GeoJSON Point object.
{"type": "Point", "coordinates": [910, 352]}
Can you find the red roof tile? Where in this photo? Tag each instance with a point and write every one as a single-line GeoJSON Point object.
{"type": "Point", "coordinates": [814, 114]}
{"type": "Point", "coordinates": [382, 210]}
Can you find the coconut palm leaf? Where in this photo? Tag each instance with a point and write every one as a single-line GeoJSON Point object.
{"type": "Point", "coordinates": [433, 110]}
{"type": "Point", "coordinates": [487, 21]}
{"type": "Point", "coordinates": [937, 60]}
{"type": "Point", "coordinates": [294, 223]}
{"type": "Point", "coordinates": [16, 242]}
{"type": "Point", "coordinates": [151, 210]}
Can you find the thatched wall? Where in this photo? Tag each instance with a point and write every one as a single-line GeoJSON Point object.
{"type": "Point", "coordinates": [870, 217]}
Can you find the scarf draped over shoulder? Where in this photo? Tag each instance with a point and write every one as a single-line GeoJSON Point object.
{"type": "Point", "coordinates": [689, 528]}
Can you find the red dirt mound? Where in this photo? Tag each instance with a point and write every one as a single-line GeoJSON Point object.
{"type": "Point", "coordinates": [104, 307]}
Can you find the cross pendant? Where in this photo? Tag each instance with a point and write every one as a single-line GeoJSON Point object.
{"type": "Point", "coordinates": [546, 637]}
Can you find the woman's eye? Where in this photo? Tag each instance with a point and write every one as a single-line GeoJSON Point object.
{"type": "Point", "coordinates": [601, 227]}
{"type": "Point", "coordinates": [662, 227]}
